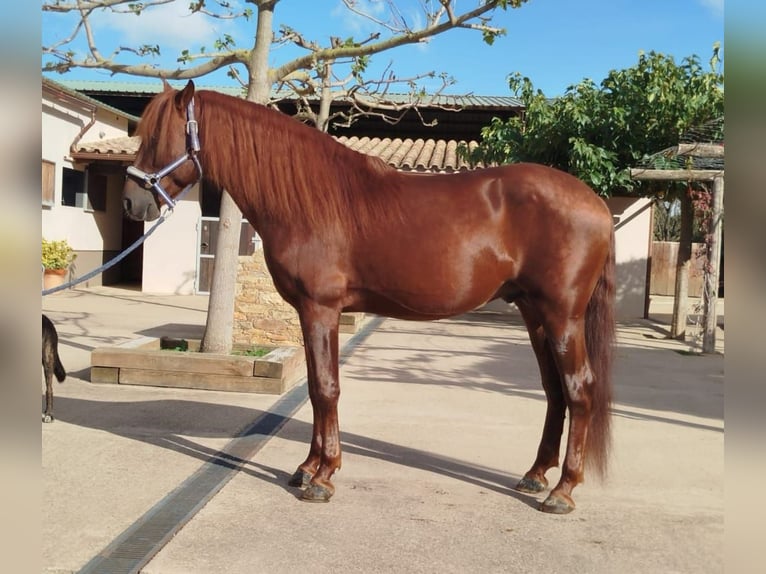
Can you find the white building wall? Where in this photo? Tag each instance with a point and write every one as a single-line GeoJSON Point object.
{"type": "Point", "coordinates": [170, 253]}
{"type": "Point", "coordinates": [62, 120]}
{"type": "Point", "coordinates": [633, 220]}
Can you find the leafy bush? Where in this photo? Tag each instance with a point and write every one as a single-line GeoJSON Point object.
{"type": "Point", "coordinates": [57, 254]}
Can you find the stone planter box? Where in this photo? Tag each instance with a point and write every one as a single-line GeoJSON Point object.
{"type": "Point", "coordinates": [142, 362]}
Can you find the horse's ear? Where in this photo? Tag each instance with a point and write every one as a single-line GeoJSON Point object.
{"type": "Point", "coordinates": [184, 96]}
{"type": "Point", "coordinates": [165, 85]}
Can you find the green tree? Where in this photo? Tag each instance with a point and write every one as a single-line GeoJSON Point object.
{"type": "Point", "coordinates": [250, 64]}
{"type": "Point", "coordinates": [598, 132]}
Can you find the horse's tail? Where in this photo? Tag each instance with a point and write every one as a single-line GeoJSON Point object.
{"type": "Point", "coordinates": [600, 337]}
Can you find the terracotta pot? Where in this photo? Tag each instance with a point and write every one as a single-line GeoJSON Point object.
{"type": "Point", "coordinates": [54, 277]}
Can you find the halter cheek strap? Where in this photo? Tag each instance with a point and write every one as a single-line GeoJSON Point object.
{"type": "Point", "coordinates": [151, 181]}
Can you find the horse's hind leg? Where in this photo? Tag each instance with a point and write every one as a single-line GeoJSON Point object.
{"type": "Point", "coordinates": [567, 343]}
{"type": "Point", "coordinates": [550, 443]}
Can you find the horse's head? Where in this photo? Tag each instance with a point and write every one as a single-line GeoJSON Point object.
{"type": "Point", "coordinates": [166, 162]}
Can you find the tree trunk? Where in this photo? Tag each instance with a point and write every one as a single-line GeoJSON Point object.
{"type": "Point", "coordinates": [323, 117]}
{"type": "Point", "coordinates": [219, 326]}
{"type": "Point", "coordinates": [680, 303]}
{"type": "Point", "coordinates": [220, 308]}
{"type": "Point", "coordinates": [650, 249]}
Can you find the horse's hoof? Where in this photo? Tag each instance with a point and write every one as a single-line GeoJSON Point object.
{"type": "Point", "coordinates": [557, 504]}
{"type": "Point", "coordinates": [47, 418]}
{"type": "Point", "coordinates": [300, 478]}
{"type": "Point", "coordinates": [316, 493]}
{"type": "Point", "coordinates": [531, 485]}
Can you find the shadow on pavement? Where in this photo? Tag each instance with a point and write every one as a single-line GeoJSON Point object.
{"type": "Point", "coordinates": [169, 424]}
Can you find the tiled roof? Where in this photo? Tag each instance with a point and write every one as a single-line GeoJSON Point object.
{"type": "Point", "coordinates": [412, 155]}
{"type": "Point", "coordinates": [114, 149]}
{"type": "Point", "coordinates": [148, 88]}
{"type": "Point", "coordinates": [424, 155]}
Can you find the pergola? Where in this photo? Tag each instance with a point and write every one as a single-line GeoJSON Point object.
{"type": "Point", "coordinates": [700, 161]}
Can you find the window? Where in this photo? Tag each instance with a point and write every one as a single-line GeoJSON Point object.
{"type": "Point", "coordinates": [85, 189]}
{"type": "Point", "coordinates": [73, 188]}
{"type": "Point", "coordinates": [48, 182]}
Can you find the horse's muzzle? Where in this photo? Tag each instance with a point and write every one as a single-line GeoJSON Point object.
{"type": "Point", "coordinates": [140, 208]}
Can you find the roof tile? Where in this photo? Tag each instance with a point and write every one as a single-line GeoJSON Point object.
{"type": "Point", "coordinates": [407, 155]}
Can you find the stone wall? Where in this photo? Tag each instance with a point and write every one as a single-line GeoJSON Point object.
{"type": "Point", "coordinates": [261, 317]}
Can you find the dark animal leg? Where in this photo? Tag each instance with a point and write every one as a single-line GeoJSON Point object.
{"type": "Point", "coordinates": [568, 346]}
{"type": "Point", "coordinates": [320, 336]}
{"type": "Point", "coordinates": [550, 443]}
{"type": "Point", "coordinates": [51, 365]}
{"type": "Point", "coordinates": [48, 414]}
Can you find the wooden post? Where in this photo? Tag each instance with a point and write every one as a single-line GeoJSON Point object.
{"type": "Point", "coordinates": [710, 295]}
{"type": "Point", "coordinates": [650, 249]}
{"type": "Point", "coordinates": [710, 292]}
{"type": "Point", "coordinates": [683, 263]}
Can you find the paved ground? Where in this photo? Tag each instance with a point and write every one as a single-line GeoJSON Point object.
{"type": "Point", "coordinates": [438, 421]}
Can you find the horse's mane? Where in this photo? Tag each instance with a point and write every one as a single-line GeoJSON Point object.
{"type": "Point", "coordinates": [283, 170]}
{"type": "Point", "coordinates": [157, 123]}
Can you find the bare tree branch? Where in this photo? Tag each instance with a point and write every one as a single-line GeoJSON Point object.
{"type": "Point", "coordinates": [199, 6]}
{"type": "Point", "coordinates": [396, 24]}
{"type": "Point", "coordinates": [60, 6]}
{"type": "Point", "coordinates": [403, 38]}
{"type": "Point", "coordinates": [438, 21]}
{"type": "Point", "coordinates": [300, 73]}
{"type": "Point", "coordinates": [365, 98]}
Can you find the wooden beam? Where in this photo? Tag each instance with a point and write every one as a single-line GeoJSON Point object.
{"type": "Point", "coordinates": [642, 174]}
{"type": "Point", "coordinates": [700, 149]}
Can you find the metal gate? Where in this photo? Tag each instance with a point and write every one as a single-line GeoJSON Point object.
{"type": "Point", "coordinates": [207, 236]}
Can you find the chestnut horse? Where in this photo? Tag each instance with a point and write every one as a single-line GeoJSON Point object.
{"type": "Point", "coordinates": [343, 231]}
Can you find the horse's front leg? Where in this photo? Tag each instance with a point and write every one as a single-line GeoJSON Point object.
{"type": "Point", "coordinates": [320, 337]}
{"type": "Point", "coordinates": [307, 469]}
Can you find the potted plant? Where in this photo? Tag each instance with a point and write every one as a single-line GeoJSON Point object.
{"type": "Point", "coordinates": [57, 257]}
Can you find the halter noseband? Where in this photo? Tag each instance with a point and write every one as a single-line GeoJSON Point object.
{"type": "Point", "coordinates": [151, 181]}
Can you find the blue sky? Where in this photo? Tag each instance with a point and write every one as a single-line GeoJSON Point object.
{"type": "Point", "coordinates": [556, 43]}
